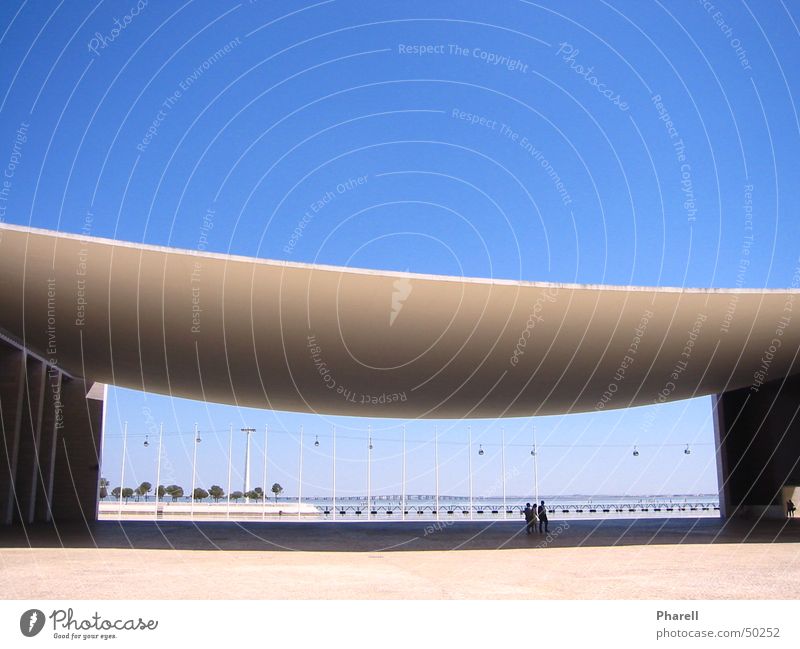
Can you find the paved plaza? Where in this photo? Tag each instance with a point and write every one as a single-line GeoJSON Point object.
{"type": "Point", "coordinates": [661, 558]}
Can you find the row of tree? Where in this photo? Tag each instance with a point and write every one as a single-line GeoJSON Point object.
{"type": "Point", "coordinates": [175, 492]}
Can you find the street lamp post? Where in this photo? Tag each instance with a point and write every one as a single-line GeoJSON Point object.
{"type": "Point", "coordinates": [469, 434]}
{"type": "Point", "coordinates": [158, 467]}
{"type": "Point", "coordinates": [503, 461]}
{"type": "Point", "coordinates": [264, 492]}
{"type": "Point", "coordinates": [369, 472]}
{"type": "Point", "coordinates": [122, 470]}
{"type": "Point", "coordinates": [403, 497]}
{"type": "Point", "coordinates": [334, 473]}
{"type": "Point", "coordinates": [230, 451]}
{"type": "Point", "coordinates": [248, 432]}
{"type": "Point", "coordinates": [194, 469]}
{"type": "Point", "coordinates": [300, 476]}
{"type": "Point", "coordinates": [436, 462]}
{"type": "Point", "coordinates": [535, 453]}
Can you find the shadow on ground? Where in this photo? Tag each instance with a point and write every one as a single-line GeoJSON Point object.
{"type": "Point", "coordinates": [396, 536]}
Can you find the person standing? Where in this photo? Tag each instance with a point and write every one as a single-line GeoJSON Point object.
{"type": "Point", "coordinates": [790, 508]}
{"type": "Point", "coordinates": [542, 518]}
{"type": "Point", "coordinates": [528, 512]}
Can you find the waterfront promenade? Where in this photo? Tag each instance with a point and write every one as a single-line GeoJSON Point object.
{"type": "Point", "coordinates": [653, 558]}
{"type": "Point", "coordinates": [421, 511]}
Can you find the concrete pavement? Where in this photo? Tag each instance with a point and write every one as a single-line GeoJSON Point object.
{"type": "Point", "coordinates": [664, 559]}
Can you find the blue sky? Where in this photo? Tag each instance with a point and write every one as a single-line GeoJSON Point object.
{"type": "Point", "coordinates": [507, 139]}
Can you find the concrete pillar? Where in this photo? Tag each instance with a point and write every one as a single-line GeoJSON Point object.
{"type": "Point", "coordinates": [12, 384]}
{"type": "Point", "coordinates": [27, 473]}
{"type": "Point", "coordinates": [51, 426]}
{"type": "Point", "coordinates": [51, 420]}
{"type": "Point", "coordinates": [77, 454]}
{"type": "Point", "coordinates": [758, 447]}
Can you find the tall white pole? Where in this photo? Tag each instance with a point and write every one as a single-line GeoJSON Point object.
{"type": "Point", "coordinates": [300, 475]}
{"type": "Point", "coordinates": [535, 467]}
{"type": "Point", "coordinates": [469, 431]}
{"type": "Point", "coordinates": [403, 497]}
{"type": "Point", "coordinates": [334, 473]}
{"type": "Point", "coordinates": [436, 462]}
{"type": "Point", "coordinates": [264, 492]}
{"type": "Point", "coordinates": [122, 470]}
{"type": "Point", "coordinates": [369, 472]}
{"type": "Point", "coordinates": [503, 458]}
{"type": "Point", "coordinates": [194, 471]}
{"type": "Point", "coordinates": [158, 467]}
{"type": "Point", "coordinates": [230, 452]}
{"type": "Point", "coordinates": [247, 432]}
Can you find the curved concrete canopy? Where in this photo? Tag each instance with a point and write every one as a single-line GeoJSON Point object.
{"type": "Point", "coordinates": [309, 338]}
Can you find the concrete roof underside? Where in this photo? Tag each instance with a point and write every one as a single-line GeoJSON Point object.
{"type": "Point", "coordinates": [341, 341]}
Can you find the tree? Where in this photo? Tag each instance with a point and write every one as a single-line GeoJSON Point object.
{"type": "Point", "coordinates": [115, 492]}
{"type": "Point", "coordinates": [174, 491]}
{"type": "Point", "coordinates": [216, 492]}
{"type": "Point", "coordinates": [127, 492]}
{"type": "Point", "coordinates": [200, 494]}
{"type": "Point", "coordinates": [143, 489]}
{"type": "Point", "coordinates": [104, 484]}
{"type": "Point", "coordinates": [236, 496]}
{"type": "Point", "coordinates": [252, 495]}
{"type": "Point", "coordinates": [277, 490]}
{"type": "Point", "coordinates": [162, 490]}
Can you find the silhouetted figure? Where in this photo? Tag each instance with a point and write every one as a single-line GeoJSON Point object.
{"type": "Point", "coordinates": [542, 518]}
{"type": "Point", "coordinates": [530, 522]}
{"type": "Point", "coordinates": [790, 508]}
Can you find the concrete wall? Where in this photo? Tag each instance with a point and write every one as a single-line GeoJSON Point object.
{"type": "Point", "coordinates": [50, 447]}
{"type": "Point", "coordinates": [758, 447]}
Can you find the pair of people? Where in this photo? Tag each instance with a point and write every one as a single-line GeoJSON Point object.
{"type": "Point", "coordinates": [534, 515]}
